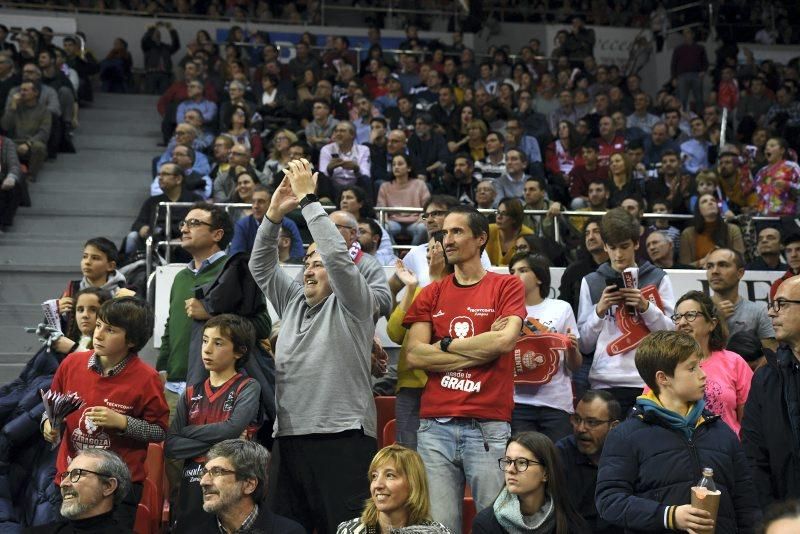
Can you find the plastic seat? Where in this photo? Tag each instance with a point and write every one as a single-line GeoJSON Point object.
{"type": "Point", "coordinates": [142, 525]}
{"type": "Point", "coordinates": [385, 408]}
{"type": "Point", "coordinates": [390, 433]}
{"type": "Point", "coordinates": [468, 514]}
{"type": "Point", "coordinates": [154, 487]}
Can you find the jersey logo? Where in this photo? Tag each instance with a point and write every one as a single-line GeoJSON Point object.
{"type": "Point", "coordinates": [462, 327]}
{"type": "Point", "coordinates": [438, 314]}
{"type": "Point", "coordinates": [632, 326]}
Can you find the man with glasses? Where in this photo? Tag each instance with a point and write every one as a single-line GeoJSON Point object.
{"type": "Point", "coordinates": [595, 415]}
{"type": "Point", "coordinates": [92, 493]}
{"type": "Point", "coordinates": [186, 135]}
{"type": "Point", "coordinates": [225, 181]}
{"type": "Point", "coordinates": [234, 484]}
{"type": "Point", "coordinates": [196, 100]}
{"type": "Point", "coordinates": [724, 270]}
{"type": "Point", "coordinates": [344, 161]}
{"type": "Point", "coordinates": [771, 422]}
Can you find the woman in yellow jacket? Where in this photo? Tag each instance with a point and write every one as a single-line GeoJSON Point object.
{"type": "Point", "coordinates": [504, 233]}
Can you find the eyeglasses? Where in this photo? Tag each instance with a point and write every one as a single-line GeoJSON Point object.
{"type": "Point", "coordinates": [182, 132]}
{"type": "Point", "coordinates": [75, 475]}
{"type": "Point", "coordinates": [502, 214]}
{"type": "Point", "coordinates": [216, 472]}
{"type": "Point", "coordinates": [168, 174]}
{"type": "Point", "coordinates": [780, 303]}
{"type": "Point", "coordinates": [690, 316]}
{"type": "Point", "coordinates": [243, 154]}
{"type": "Point", "coordinates": [577, 420]}
{"type": "Point", "coordinates": [192, 223]}
{"type": "Point", "coordinates": [434, 213]}
{"type": "Point", "coordinates": [520, 464]}
{"type": "Point", "coordinates": [343, 227]}
{"type": "Point", "coordinates": [281, 138]}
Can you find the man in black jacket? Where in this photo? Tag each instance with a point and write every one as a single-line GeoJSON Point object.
{"type": "Point", "coordinates": [771, 424]}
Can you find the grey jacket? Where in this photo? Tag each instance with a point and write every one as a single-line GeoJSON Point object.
{"type": "Point", "coordinates": [323, 353]}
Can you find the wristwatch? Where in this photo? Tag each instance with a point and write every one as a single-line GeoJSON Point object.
{"type": "Point", "coordinates": [308, 199]}
{"type": "Point", "coordinates": [444, 343]}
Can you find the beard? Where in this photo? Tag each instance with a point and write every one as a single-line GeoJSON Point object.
{"type": "Point", "coordinates": [224, 499]}
{"type": "Point", "coordinates": [73, 508]}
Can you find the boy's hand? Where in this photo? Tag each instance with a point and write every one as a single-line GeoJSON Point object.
{"type": "Point", "coordinates": [693, 520]}
{"type": "Point", "coordinates": [65, 304]}
{"type": "Point", "coordinates": [611, 296]}
{"type": "Point", "coordinates": [107, 418]}
{"type": "Point", "coordinates": [49, 434]}
{"type": "Point", "coordinates": [633, 297]}
{"type": "Point", "coordinates": [195, 310]}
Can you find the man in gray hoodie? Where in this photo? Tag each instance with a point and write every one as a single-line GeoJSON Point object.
{"type": "Point", "coordinates": [325, 430]}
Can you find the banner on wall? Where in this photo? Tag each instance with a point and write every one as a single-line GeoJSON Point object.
{"type": "Point", "coordinates": [612, 44]}
{"type": "Point", "coordinates": [754, 286]}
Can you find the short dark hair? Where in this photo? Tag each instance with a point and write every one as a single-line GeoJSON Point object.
{"type": "Point", "coordinates": [793, 237]}
{"type": "Point", "coordinates": [220, 220]}
{"type": "Point", "coordinates": [522, 155]}
{"type": "Point", "coordinates": [618, 226]}
{"type": "Point", "coordinates": [540, 266]}
{"type": "Point", "coordinates": [464, 155]}
{"type": "Point", "coordinates": [738, 259]}
{"type": "Point", "coordinates": [132, 314]}
{"type": "Point", "coordinates": [591, 145]}
{"type": "Point", "coordinates": [614, 409]}
{"type": "Point", "coordinates": [374, 227]}
{"type": "Point", "coordinates": [747, 345]}
{"type": "Point", "coordinates": [669, 152]}
{"type": "Point", "coordinates": [238, 330]}
{"type": "Point", "coordinates": [106, 246]}
{"type": "Point", "coordinates": [478, 224]}
{"type": "Point", "coordinates": [378, 119]}
{"type": "Point", "coordinates": [663, 351]}
{"type": "Point", "coordinates": [321, 101]}
{"type": "Point", "coordinates": [448, 201]}
{"type": "Point", "coordinates": [499, 135]}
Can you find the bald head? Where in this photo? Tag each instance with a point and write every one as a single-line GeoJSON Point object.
{"type": "Point", "coordinates": [786, 322]}
{"type": "Point", "coordinates": [347, 225]}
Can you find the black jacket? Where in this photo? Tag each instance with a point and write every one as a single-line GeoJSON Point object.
{"type": "Point", "coordinates": [101, 524]}
{"type": "Point", "coordinates": [769, 438]}
{"type": "Point", "coordinates": [266, 523]}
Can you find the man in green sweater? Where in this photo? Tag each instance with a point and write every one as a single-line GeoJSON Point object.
{"type": "Point", "coordinates": [28, 124]}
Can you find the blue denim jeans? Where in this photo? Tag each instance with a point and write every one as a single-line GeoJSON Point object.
{"type": "Point", "coordinates": [455, 452]}
{"type": "Point", "coordinates": [406, 411]}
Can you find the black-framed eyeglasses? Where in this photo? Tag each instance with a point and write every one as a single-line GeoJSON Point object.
{"type": "Point", "coordinates": [76, 474]}
{"type": "Point", "coordinates": [434, 213]}
{"type": "Point", "coordinates": [780, 303]}
{"type": "Point", "coordinates": [216, 472]}
{"type": "Point", "coordinates": [192, 223]}
{"type": "Point", "coordinates": [690, 316]}
{"type": "Point", "coordinates": [349, 228]}
{"type": "Point", "coordinates": [520, 464]}
{"type": "Point", "coordinates": [576, 421]}
{"type": "Point", "coordinates": [502, 213]}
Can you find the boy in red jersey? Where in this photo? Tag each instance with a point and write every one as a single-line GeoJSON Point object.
{"type": "Point", "coordinates": [223, 406]}
{"type": "Point", "coordinates": [462, 330]}
{"type": "Point", "coordinates": [124, 407]}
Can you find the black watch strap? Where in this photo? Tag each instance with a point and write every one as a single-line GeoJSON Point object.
{"type": "Point", "coordinates": [444, 343]}
{"type": "Point", "coordinates": [308, 199]}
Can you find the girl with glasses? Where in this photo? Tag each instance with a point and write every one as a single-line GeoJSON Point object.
{"type": "Point", "coordinates": [534, 498]}
{"type": "Point", "coordinates": [727, 374]}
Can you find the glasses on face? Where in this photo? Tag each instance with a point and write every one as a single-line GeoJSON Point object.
{"type": "Point", "coordinates": [780, 303]}
{"type": "Point", "coordinates": [344, 227]}
{"type": "Point", "coordinates": [181, 132]}
{"type": "Point", "coordinates": [192, 223]}
{"type": "Point", "coordinates": [690, 316]}
{"type": "Point", "coordinates": [434, 213]}
{"type": "Point", "coordinates": [520, 464]}
{"type": "Point", "coordinates": [242, 154]}
{"type": "Point", "coordinates": [216, 472]}
{"type": "Point", "coordinates": [522, 248]}
{"type": "Point", "coordinates": [167, 174]}
{"type": "Point", "coordinates": [590, 422]}
{"type": "Point", "coordinates": [281, 138]}
{"type": "Point", "coordinates": [502, 214]}
{"type": "Point", "coordinates": [75, 475]}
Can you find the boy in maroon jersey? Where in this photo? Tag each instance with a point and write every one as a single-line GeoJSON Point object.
{"type": "Point", "coordinates": [124, 407]}
{"type": "Point", "coordinates": [462, 330]}
{"type": "Point", "coordinates": [224, 406]}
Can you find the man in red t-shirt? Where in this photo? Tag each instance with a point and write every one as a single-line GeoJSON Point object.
{"type": "Point", "coordinates": [582, 175]}
{"type": "Point", "coordinates": [462, 331]}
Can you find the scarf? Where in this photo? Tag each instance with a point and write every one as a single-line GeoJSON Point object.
{"type": "Point", "coordinates": [650, 404]}
{"type": "Point", "coordinates": [509, 514]}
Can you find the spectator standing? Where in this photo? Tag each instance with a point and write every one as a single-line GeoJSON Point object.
{"type": "Point", "coordinates": [689, 64]}
{"type": "Point", "coordinates": [647, 470]}
{"type": "Point", "coordinates": [596, 414]}
{"type": "Point", "coordinates": [777, 183]}
{"type": "Point", "coordinates": [724, 271]}
{"type": "Point", "coordinates": [316, 340]}
{"type": "Point", "coordinates": [468, 400]}
{"type": "Point", "coordinates": [546, 407]}
{"type": "Point", "coordinates": [768, 414]}
{"type": "Point", "coordinates": [158, 57]}
{"type": "Point", "coordinates": [728, 376]}
{"type": "Point", "coordinates": [602, 297]}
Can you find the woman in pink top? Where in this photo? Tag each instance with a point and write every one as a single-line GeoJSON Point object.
{"type": "Point", "coordinates": [404, 191]}
{"type": "Point", "coordinates": [727, 374]}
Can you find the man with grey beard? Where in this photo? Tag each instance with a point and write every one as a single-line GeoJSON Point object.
{"type": "Point", "coordinates": [91, 491]}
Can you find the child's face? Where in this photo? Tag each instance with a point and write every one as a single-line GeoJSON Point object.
{"type": "Point", "coordinates": [86, 313]}
{"type": "Point", "coordinates": [110, 341]}
{"type": "Point", "coordinates": [95, 265]}
{"type": "Point", "coordinates": [622, 255]}
{"type": "Point", "coordinates": [688, 384]}
{"type": "Point", "coordinates": [705, 187]}
{"type": "Point", "coordinates": [218, 351]}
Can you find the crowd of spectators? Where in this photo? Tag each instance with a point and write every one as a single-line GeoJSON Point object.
{"type": "Point", "coordinates": [445, 134]}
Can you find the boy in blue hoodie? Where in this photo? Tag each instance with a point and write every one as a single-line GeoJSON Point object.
{"type": "Point", "coordinates": [651, 460]}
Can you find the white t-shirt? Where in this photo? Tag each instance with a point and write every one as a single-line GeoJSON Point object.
{"type": "Point", "coordinates": [416, 261]}
{"type": "Point", "coordinates": [557, 315]}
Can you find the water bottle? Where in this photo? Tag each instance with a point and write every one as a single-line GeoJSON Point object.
{"type": "Point", "coordinates": [708, 480]}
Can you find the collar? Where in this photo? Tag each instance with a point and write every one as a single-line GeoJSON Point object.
{"type": "Point", "coordinates": [94, 365]}
{"type": "Point", "coordinates": [246, 524]}
{"type": "Point", "coordinates": [206, 262]}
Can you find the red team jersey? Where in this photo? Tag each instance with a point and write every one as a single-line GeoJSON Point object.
{"type": "Point", "coordinates": [486, 391]}
{"type": "Point", "coordinates": [135, 391]}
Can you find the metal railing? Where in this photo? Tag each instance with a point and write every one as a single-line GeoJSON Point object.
{"type": "Point", "coordinates": [168, 243]}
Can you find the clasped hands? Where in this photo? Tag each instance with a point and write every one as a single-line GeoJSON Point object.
{"type": "Point", "coordinates": [298, 181]}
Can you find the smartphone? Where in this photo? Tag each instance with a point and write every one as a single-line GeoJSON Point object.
{"type": "Point", "coordinates": [615, 282]}
{"type": "Point", "coordinates": [334, 156]}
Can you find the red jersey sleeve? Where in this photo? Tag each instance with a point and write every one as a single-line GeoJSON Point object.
{"type": "Point", "coordinates": [422, 307]}
{"type": "Point", "coordinates": [512, 299]}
